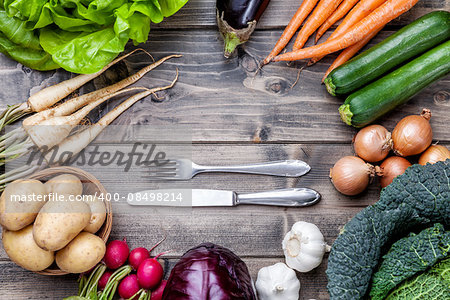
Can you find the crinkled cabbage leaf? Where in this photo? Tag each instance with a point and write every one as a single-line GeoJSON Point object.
{"type": "Point", "coordinates": [433, 284]}
{"type": "Point", "coordinates": [408, 256]}
{"type": "Point", "coordinates": [420, 196]}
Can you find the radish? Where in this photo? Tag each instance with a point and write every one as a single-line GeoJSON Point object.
{"type": "Point", "coordinates": [113, 282]}
{"type": "Point", "coordinates": [128, 287]}
{"type": "Point", "coordinates": [45, 98]}
{"type": "Point", "coordinates": [158, 292]}
{"type": "Point", "coordinates": [137, 256]}
{"type": "Point", "coordinates": [116, 254]}
{"type": "Point", "coordinates": [104, 280]}
{"type": "Point", "coordinates": [150, 273]}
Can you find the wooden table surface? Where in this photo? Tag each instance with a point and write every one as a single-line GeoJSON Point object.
{"type": "Point", "coordinates": [234, 117]}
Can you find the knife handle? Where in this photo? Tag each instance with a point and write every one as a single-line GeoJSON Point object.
{"type": "Point", "coordinates": [295, 197]}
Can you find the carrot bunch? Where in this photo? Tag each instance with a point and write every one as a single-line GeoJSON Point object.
{"type": "Point", "coordinates": [363, 20]}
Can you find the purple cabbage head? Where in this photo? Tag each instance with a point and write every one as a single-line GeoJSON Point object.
{"type": "Point", "coordinates": [209, 272]}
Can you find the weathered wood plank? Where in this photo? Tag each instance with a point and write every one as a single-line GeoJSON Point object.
{"type": "Point", "coordinates": [222, 101]}
{"type": "Point", "coordinates": [199, 13]}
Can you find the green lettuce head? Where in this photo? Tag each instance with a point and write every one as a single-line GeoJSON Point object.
{"type": "Point", "coordinates": [79, 36]}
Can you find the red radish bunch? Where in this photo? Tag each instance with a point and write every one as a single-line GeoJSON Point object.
{"type": "Point", "coordinates": [116, 254]}
{"type": "Point", "coordinates": [134, 280]}
{"type": "Point", "coordinates": [137, 256]}
{"type": "Point", "coordinates": [150, 273]}
{"type": "Point", "coordinates": [128, 287]}
{"type": "Point", "coordinates": [104, 280]}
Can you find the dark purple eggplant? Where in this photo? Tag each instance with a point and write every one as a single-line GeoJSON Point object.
{"type": "Point", "coordinates": [209, 272]}
{"type": "Point", "coordinates": [237, 20]}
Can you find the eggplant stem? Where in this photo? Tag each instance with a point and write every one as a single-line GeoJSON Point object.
{"type": "Point", "coordinates": [233, 37]}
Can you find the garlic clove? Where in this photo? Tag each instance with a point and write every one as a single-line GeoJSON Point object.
{"type": "Point", "coordinates": [277, 282]}
{"type": "Point", "coordinates": [304, 247]}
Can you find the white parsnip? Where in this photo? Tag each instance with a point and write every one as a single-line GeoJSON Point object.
{"type": "Point", "coordinates": [53, 130]}
{"type": "Point", "coordinates": [47, 97]}
{"type": "Point", "coordinates": [56, 116]}
{"type": "Point", "coordinates": [73, 104]}
{"type": "Point", "coordinates": [50, 129]}
{"type": "Point", "coordinates": [74, 144]}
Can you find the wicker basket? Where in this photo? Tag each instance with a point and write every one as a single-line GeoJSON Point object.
{"type": "Point", "coordinates": [90, 186]}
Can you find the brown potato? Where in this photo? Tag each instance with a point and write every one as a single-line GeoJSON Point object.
{"type": "Point", "coordinates": [59, 222]}
{"type": "Point", "coordinates": [65, 184]}
{"type": "Point", "coordinates": [23, 250]}
{"type": "Point", "coordinates": [20, 203]}
{"type": "Point", "coordinates": [98, 214]}
{"type": "Point", "coordinates": [81, 254]}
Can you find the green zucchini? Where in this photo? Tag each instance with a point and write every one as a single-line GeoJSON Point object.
{"type": "Point", "coordinates": [374, 100]}
{"type": "Point", "coordinates": [424, 33]}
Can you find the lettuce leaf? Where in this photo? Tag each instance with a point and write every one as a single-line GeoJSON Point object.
{"type": "Point", "coordinates": [23, 45]}
{"type": "Point", "coordinates": [35, 59]}
{"type": "Point", "coordinates": [81, 36]}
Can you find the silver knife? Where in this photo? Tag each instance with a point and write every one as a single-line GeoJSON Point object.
{"type": "Point", "coordinates": [294, 197]}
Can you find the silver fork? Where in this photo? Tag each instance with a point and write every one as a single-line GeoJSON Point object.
{"type": "Point", "coordinates": [184, 169]}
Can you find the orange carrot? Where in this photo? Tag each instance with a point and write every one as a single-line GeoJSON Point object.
{"type": "Point", "coordinates": [348, 53]}
{"type": "Point", "coordinates": [359, 12]}
{"type": "Point", "coordinates": [323, 10]}
{"type": "Point", "coordinates": [388, 11]}
{"type": "Point", "coordinates": [338, 14]}
{"type": "Point", "coordinates": [302, 12]}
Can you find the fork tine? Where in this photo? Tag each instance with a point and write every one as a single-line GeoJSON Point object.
{"type": "Point", "coordinates": [170, 170]}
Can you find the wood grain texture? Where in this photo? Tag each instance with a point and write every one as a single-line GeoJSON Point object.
{"type": "Point", "coordinates": [223, 101]}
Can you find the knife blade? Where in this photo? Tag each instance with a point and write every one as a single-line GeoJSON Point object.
{"type": "Point", "coordinates": [294, 197]}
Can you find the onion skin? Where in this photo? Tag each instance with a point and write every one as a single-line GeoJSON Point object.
{"type": "Point", "coordinates": [351, 175]}
{"type": "Point", "coordinates": [372, 143]}
{"type": "Point", "coordinates": [391, 168]}
{"type": "Point", "coordinates": [434, 154]}
{"type": "Point", "coordinates": [413, 134]}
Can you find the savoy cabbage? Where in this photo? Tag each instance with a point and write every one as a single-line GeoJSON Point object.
{"type": "Point", "coordinates": [409, 256]}
{"type": "Point", "coordinates": [420, 196]}
{"type": "Point", "coordinates": [433, 284]}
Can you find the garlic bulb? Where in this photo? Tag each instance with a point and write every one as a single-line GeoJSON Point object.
{"type": "Point", "coordinates": [277, 282]}
{"type": "Point", "coordinates": [304, 247]}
